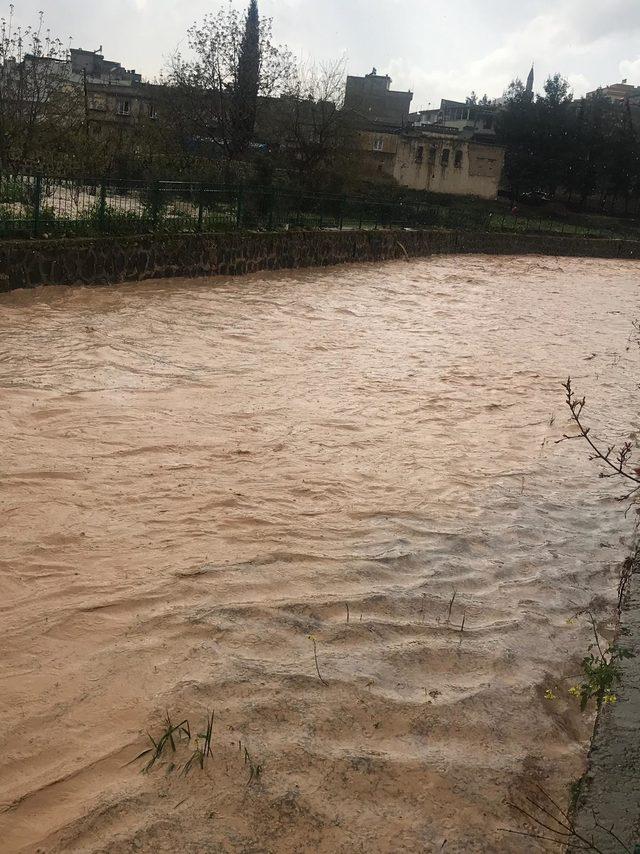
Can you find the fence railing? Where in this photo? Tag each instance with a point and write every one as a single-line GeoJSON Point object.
{"type": "Point", "coordinates": [42, 206]}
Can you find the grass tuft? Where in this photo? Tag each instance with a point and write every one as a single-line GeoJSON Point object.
{"type": "Point", "coordinates": [255, 770]}
{"type": "Point", "coordinates": [203, 750]}
{"type": "Point", "coordinates": [453, 599]}
{"type": "Point", "coordinates": [168, 737]}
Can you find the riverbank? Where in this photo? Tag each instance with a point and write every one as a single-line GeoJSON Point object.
{"type": "Point", "coordinates": [610, 799]}
{"type": "Point", "coordinates": [110, 260]}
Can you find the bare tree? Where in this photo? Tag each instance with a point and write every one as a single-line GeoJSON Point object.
{"type": "Point", "coordinates": [40, 107]}
{"type": "Point", "coordinates": [205, 87]}
{"type": "Point", "coordinates": [314, 129]}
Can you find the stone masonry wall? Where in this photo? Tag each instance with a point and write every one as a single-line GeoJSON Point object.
{"type": "Point", "coordinates": [109, 260]}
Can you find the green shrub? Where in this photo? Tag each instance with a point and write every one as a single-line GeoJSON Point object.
{"type": "Point", "coordinates": [12, 192]}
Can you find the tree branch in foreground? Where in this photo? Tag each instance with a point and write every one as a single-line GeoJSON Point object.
{"type": "Point", "coordinates": [615, 458]}
{"type": "Point", "coordinates": [560, 826]}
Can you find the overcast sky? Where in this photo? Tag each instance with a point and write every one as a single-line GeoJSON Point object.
{"type": "Point", "coordinates": [437, 48]}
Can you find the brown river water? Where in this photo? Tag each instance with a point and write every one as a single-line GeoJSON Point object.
{"type": "Point", "coordinates": [200, 479]}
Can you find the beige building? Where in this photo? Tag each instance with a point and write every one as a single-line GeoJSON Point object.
{"type": "Point", "coordinates": [617, 92]}
{"type": "Point", "coordinates": [371, 99]}
{"type": "Point", "coordinates": [478, 119]}
{"type": "Point", "coordinates": [116, 99]}
{"type": "Point", "coordinates": [90, 65]}
{"type": "Point", "coordinates": [436, 162]}
{"type": "Point", "coordinates": [118, 107]}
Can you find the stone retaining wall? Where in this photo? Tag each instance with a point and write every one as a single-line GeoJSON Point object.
{"type": "Point", "coordinates": [108, 260]}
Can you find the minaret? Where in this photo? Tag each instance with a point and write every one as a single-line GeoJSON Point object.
{"type": "Point", "coordinates": [530, 79]}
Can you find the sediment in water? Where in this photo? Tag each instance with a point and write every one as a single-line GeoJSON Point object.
{"type": "Point", "coordinates": [197, 476]}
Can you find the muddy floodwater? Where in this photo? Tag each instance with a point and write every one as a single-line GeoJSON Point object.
{"type": "Point", "coordinates": [258, 497]}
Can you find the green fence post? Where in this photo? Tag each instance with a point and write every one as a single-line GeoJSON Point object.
{"type": "Point", "coordinates": [37, 204]}
{"type": "Point", "coordinates": [271, 202]}
{"type": "Point", "coordinates": [155, 203]}
{"type": "Point", "coordinates": [200, 205]}
{"type": "Point", "coordinates": [102, 205]}
{"type": "Point", "coordinates": [239, 207]}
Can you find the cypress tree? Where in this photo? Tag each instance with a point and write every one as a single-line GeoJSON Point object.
{"type": "Point", "coordinates": [245, 94]}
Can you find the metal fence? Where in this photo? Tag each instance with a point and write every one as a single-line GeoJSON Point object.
{"type": "Point", "coordinates": [41, 206]}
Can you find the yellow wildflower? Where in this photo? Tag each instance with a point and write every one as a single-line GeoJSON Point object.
{"type": "Point", "coordinates": [610, 698]}
{"type": "Point", "coordinates": [549, 695]}
{"type": "Point", "coordinates": [575, 691]}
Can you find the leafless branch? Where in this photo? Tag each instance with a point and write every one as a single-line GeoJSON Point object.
{"type": "Point", "coordinates": [567, 832]}
{"type": "Point", "coordinates": [619, 464]}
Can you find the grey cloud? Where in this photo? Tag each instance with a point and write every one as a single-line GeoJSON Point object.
{"type": "Point", "coordinates": [441, 50]}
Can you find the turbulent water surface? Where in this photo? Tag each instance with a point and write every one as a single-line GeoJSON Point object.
{"type": "Point", "coordinates": [202, 481]}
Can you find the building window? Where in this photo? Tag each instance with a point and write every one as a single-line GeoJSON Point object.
{"type": "Point", "coordinates": [153, 112]}
{"type": "Point", "coordinates": [445, 157]}
{"type": "Point", "coordinates": [458, 160]}
{"type": "Point", "coordinates": [433, 152]}
{"type": "Point", "coordinates": [420, 154]}
{"type": "Point", "coordinates": [96, 102]}
{"type": "Point", "coordinates": [378, 144]}
{"type": "Point", "coordinates": [123, 108]}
